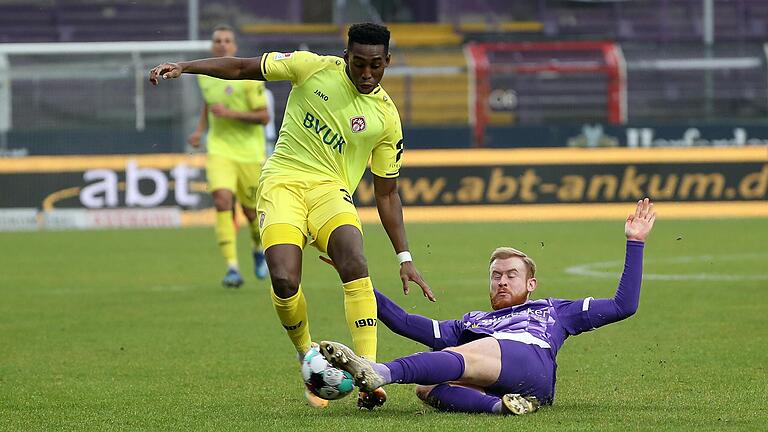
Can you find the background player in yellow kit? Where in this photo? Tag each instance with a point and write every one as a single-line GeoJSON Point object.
{"type": "Point", "coordinates": [337, 118]}
{"type": "Point", "coordinates": [234, 113]}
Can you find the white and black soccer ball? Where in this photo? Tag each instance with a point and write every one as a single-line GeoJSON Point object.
{"type": "Point", "coordinates": [324, 380]}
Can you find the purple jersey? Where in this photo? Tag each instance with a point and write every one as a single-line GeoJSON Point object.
{"type": "Point", "coordinates": [542, 325]}
{"type": "Point", "coordinates": [545, 323]}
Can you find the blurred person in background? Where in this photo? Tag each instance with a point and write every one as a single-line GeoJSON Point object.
{"type": "Point", "coordinates": [235, 114]}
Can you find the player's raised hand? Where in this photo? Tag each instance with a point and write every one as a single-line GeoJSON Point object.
{"type": "Point", "coordinates": [164, 71]}
{"type": "Point", "coordinates": [639, 224]}
{"type": "Point", "coordinates": [409, 273]}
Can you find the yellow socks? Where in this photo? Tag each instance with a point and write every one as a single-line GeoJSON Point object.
{"type": "Point", "coordinates": [360, 308]}
{"type": "Point", "coordinates": [225, 234]}
{"type": "Point", "coordinates": [292, 312]}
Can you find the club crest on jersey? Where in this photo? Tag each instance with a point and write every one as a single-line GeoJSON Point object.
{"type": "Point", "coordinates": [282, 56]}
{"type": "Point", "coordinates": [229, 90]}
{"type": "Point", "coordinates": [358, 124]}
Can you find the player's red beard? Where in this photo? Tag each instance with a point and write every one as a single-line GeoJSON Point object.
{"type": "Point", "coordinates": [504, 297]}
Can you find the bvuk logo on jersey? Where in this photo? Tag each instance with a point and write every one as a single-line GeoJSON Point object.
{"type": "Point", "coordinates": [358, 124]}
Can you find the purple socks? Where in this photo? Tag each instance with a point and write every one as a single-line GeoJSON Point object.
{"type": "Point", "coordinates": [446, 397]}
{"type": "Point", "coordinates": [423, 368]}
{"type": "Point", "coordinates": [439, 367]}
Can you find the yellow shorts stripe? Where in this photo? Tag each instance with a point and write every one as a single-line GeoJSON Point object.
{"type": "Point", "coordinates": [282, 234]}
{"type": "Point", "coordinates": [324, 233]}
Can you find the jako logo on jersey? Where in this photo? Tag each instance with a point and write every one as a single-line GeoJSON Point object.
{"type": "Point", "coordinates": [337, 141]}
{"type": "Point", "coordinates": [358, 124]}
{"type": "Point", "coordinates": [322, 95]}
{"type": "Point", "coordinates": [229, 90]}
{"type": "Point", "coordinates": [282, 56]}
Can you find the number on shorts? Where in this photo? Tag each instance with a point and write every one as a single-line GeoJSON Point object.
{"type": "Point", "coordinates": [399, 147]}
{"type": "Point", "coordinates": [347, 197]}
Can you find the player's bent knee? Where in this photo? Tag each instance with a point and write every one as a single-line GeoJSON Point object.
{"type": "Point", "coordinates": [222, 199]}
{"type": "Point", "coordinates": [284, 286]}
{"type": "Point", "coordinates": [353, 267]}
{"type": "Point", "coordinates": [285, 280]}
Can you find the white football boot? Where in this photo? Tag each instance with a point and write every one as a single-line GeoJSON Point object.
{"type": "Point", "coordinates": [342, 357]}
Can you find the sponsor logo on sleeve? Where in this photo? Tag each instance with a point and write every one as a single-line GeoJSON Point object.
{"type": "Point", "coordinates": [282, 56]}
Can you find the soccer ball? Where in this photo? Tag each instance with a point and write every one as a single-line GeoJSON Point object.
{"type": "Point", "coordinates": [324, 380]}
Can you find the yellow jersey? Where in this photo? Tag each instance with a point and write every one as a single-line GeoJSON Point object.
{"type": "Point", "coordinates": [231, 138]}
{"type": "Point", "coordinates": [330, 129]}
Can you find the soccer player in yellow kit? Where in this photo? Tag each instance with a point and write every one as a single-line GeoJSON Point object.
{"type": "Point", "coordinates": [234, 113]}
{"type": "Point", "coordinates": [337, 118]}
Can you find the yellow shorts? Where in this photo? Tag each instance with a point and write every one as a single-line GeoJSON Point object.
{"type": "Point", "coordinates": [288, 207]}
{"type": "Point", "coordinates": [242, 178]}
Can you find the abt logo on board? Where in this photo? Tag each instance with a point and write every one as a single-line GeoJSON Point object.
{"type": "Point", "coordinates": [143, 187]}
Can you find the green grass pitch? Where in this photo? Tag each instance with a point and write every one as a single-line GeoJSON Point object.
{"type": "Point", "coordinates": [130, 330]}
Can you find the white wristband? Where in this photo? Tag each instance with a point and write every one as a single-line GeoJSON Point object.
{"type": "Point", "coordinates": [404, 256]}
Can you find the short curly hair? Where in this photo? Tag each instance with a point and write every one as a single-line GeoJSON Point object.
{"type": "Point", "coordinates": [368, 34]}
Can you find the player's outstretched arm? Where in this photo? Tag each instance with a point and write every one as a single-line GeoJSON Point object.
{"type": "Point", "coordinates": [434, 334]}
{"type": "Point", "coordinates": [233, 68]}
{"type": "Point", "coordinates": [625, 303]}
{"type": "Point", "coordinates": [391, 215]}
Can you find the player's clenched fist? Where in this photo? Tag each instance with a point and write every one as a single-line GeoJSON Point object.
{"type": "Point", "coordinates": [164, 71]}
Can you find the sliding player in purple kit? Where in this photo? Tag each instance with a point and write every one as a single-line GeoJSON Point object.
{"type": "Point", "coordinates": [503, 361]}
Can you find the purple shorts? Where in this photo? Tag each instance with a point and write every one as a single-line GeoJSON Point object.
{"type": "Point", "coordinates": [525, 369]}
